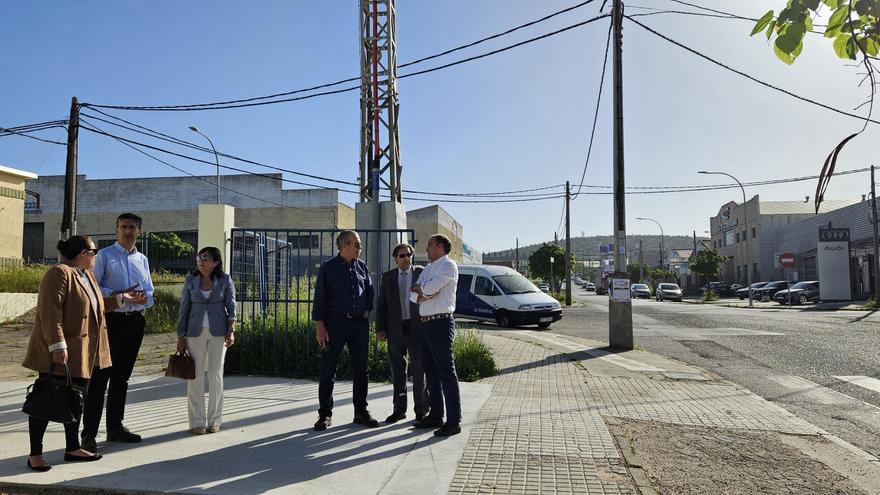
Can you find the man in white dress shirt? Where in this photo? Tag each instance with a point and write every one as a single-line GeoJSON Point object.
{"type": "Point", "coordinates": [436, 297]}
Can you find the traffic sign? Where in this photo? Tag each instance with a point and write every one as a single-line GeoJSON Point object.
{"type": "Point", "coordinates": [787, 260]}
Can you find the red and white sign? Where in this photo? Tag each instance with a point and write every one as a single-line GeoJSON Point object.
{"type": "Point", "coordinates": [787, 260]}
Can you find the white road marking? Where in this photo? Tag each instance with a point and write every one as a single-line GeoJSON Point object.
{"type": "Point", "coordinates": [867, 382]}
{"type": "Point", "coordinates": [812, 391]}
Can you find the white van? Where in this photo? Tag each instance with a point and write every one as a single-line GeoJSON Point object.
{"type": "Point", "coordinates": [501, 294]}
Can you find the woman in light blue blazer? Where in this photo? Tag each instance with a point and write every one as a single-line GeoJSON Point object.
{"type": "Point", "coordinates": [205, 327]}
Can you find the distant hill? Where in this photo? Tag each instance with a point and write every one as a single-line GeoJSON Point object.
{"type": "Point", "coordinates": [588, 247]}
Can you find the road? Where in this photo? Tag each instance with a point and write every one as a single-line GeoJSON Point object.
{"type": "Point", "coordinates": [821, 365]}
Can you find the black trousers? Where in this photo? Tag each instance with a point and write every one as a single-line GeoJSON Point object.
{"type": "Point", "coordinates": [355, 333]}
{"type": "Point", "coordinates": [126, 332]}
{"type": "Point", "coordinates": [37, 427]}
{"type": "Point", "coordinates": [399, 348]}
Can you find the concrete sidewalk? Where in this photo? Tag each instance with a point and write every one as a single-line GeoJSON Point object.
{"type": "Point", "coordinates": [733, 302]}
{"type": "Point", "coordinates": [564, 415]}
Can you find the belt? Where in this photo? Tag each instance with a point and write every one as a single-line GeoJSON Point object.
{"type": "Point", "coordinates": [126, 313]}
{"type": "Point", "coordinates": [439, 316]}
{"type": "Point", "coordinates": [334, 315]}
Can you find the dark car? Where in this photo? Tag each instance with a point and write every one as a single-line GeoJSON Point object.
{"type": "Point", "coordinates": [801, 293]}
{"type": "Point", "coordinates": [771, 289]}
{"type": "Point", "coordinates": [640, 290]}
{"type": "Point", "coordinates": [723, 289]}
{"type": "Point", "coordinates": [744, 293]}
{"type": "Point", "coordinates": [601, 290]}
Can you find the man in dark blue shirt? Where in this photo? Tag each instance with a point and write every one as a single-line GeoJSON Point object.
{"type": "Point", "coordinates": [341, 309]}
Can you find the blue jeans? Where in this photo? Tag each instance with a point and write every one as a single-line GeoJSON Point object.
{"type": "Point", "coordinates": [356, 334]}
{"type": "Point", "coordinates": [439, 364]}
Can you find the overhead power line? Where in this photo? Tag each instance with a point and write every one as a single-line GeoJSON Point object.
{"type": "Point", "coordinates": [596, 114]}
{"type": "Point", "coordinates": [750, 77]}
{"type": "Point", "coordinates": [252, 102]}
{"type": "Point", "coordinates": [5, 131]}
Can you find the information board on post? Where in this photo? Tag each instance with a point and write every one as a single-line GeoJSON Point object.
{"type": "Point", "coordinates": [620, 291]}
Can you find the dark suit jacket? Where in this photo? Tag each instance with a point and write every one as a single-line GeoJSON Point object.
{"type": "Point", "coordinates": [388, 311]}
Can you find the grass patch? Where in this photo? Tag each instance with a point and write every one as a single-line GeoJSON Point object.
{"type": "Point", "coordinates": [870, 305]}
{"type": "Point", "coordinates": [22, 278]}
{"type": "Point", "coordinates": [710, 295]}
{"type": "Point", "coordinates": [162, 316]}
{"type": "Point", "coordinates": [473, 359]}
{"type": "Point", "coordinates": [163, 277]}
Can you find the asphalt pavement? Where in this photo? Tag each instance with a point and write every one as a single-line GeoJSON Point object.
{"type": "Point", "coordinates": [820, 365]}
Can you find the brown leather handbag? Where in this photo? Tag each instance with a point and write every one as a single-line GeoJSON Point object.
{"type": "Point", "coordinates": [181, 365]}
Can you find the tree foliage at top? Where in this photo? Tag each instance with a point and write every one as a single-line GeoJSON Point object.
{"type": "Point", "coordinates": [170, 244]}
{"type": "Point", "coordinates": [539, 263]}
{"type": "Point", "coordinates": [854, 25]}
{"type": "Point", "coordinates": [707, 263]}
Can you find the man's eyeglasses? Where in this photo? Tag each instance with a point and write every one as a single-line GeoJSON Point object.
{"type": "Point", "coordinates": [404, 255]}
{"type": "Point", "coordinates": [204, 257]}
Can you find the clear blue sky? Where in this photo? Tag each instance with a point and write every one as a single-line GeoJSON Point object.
{"type": "Point", "coordinates": [513, 121]}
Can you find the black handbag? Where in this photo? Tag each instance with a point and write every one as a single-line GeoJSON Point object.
{"type": "Point", "coordinates": [54, 398]}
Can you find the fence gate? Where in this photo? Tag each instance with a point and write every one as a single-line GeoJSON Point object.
{"type": "Point", "coordinates": [274, 271]}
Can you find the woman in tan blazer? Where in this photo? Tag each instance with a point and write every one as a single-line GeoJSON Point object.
{"type": "Point", "coordinates": [69, 328]}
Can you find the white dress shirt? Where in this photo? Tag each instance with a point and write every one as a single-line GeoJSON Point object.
{"type": "Point", "coordinates": [439, 281]}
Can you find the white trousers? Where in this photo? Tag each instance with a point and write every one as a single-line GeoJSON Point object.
{"type": "Point", "coordinates": [208, 353]}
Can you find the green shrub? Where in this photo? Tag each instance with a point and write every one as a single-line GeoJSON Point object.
{"type": "Point", "coordinates": [870, 305]}
{"type": "Point", "coordinates": [162, 316]}
{"type": "Point", "coordinates": [473, 359]}
{"type": "Point", "coordinates": [285, 345]}
{"type": "Point", "coordinates": [163, 277]}
{"type": "Point", "coordinates": [22, 278]}
{"type": "Point", "coordinates": [710, 295]}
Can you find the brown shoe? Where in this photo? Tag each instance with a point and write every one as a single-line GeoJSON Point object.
{"type": "Point", "coordinates": [323, 423]}
{"type": "Point", "coordinates": [213, 429]}
{"type": "Point", "coordinates": [197, 431]}
{"type": "Point", "coordinates": [364, 418]}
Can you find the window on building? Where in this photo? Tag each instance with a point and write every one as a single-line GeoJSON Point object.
{"type": "Point", "coordinates": [744, 236]}
{"type": "Point", "coordinates": [737, 237]}
{"type": "Point", "coordinates": [754, 233]}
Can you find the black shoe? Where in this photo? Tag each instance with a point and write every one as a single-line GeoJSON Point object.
{"type": "Point", "coordinates": [77, 458]}
{"type": "Point", "coordinates": [420, 417]}
{"type": "Point", "coordinates": [41, 469]}
{"type": "Point", "coordinates": [395, 417]}
{"type": "Point", "coordinates": [364, 418]}
{"type": "Point", "coordinates": [428, 422]}
{"type": "Point", "coordinates": [448, 430]}
{"type": "Point", "coordinates": [323, 422]}
{"type": "Point", "coordinates": [122, 435]}
{"type": "Point", "coordinates": [88, 443]}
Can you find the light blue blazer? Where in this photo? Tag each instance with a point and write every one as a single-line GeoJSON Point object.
{"type": "Point", "coordinates": [220, 306]}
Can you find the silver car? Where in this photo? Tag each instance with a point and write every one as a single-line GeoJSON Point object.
{"type": "Point", "coordinates": [640, 290]}
{"type": "Point", "coordinates": [668, 291]}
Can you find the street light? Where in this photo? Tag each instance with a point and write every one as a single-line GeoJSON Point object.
{"type": "Point", "coordinates": [661, 237]}
{"type": "Point", "coordinates": [216, 157]}
{"type": "Point", "coordinates": [748, 242]}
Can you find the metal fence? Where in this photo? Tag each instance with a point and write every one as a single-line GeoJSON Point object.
{"type": "Point", "coordinates": [172, 251]}
{"type": "Point", "coordinates": [274, 271]}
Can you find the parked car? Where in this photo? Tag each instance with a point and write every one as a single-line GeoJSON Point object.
{"type": "Point", "coordinates": [590, 287]}
{"type": "Point", "coordinates": [640, 290]}
{"type": "Point", "coordinates": [771, 289]}
{"type": "Point", "coordinates": [544, 287]}
{"type": "Point", "coordinates": [744, 293]}
{"type": "Point", "coordinates": [723, 289]}
{"type": "Point", "coordinates": [601, 290]}
{"type": "Point", "coordinates": [668, 291]}
{"type": "Point", "coordinates": [801, 293]}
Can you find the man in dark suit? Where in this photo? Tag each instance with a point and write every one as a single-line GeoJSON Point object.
{"type": "Point", "coordinates": [397, 323]}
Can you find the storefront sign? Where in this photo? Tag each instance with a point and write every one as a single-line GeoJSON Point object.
{"type": "Point", "coordinates": [832, 257]}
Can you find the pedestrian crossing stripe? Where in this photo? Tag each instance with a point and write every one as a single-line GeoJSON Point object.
{"type": "Point", "coordinates": [866, 382]}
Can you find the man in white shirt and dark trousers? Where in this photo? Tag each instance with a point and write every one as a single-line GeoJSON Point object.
{"type": "Point", "coordinates": [121, 271]}
{"type": "Point", "coordinates": [397, 323]}
{"type": "Point", "coordinates": [436, 297]}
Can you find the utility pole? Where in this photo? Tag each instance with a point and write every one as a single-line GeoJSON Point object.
{"type": "Point", "coordinates": [641, 263]}
{"type": "Point", "coordinates": [555, 238]}
{"type": "Point", "coordinates": [68, 217]}
{"type": "Point", "coordinates": [876, 249]}
{"type": "Point", "coordinates": [517, 255]}
{"type": "Point", "coordinates": [567, 260]}
{"type": "Point", "coordinates": [620, 334]}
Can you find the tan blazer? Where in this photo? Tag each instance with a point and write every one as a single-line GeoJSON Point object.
{"type": "Point", "coordinates": [65, 312]}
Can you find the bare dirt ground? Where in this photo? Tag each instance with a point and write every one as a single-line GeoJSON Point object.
{"type": "Point", "coordinates": [14, 335]}
{"type": "Point", "coordinates": [684, 460]}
